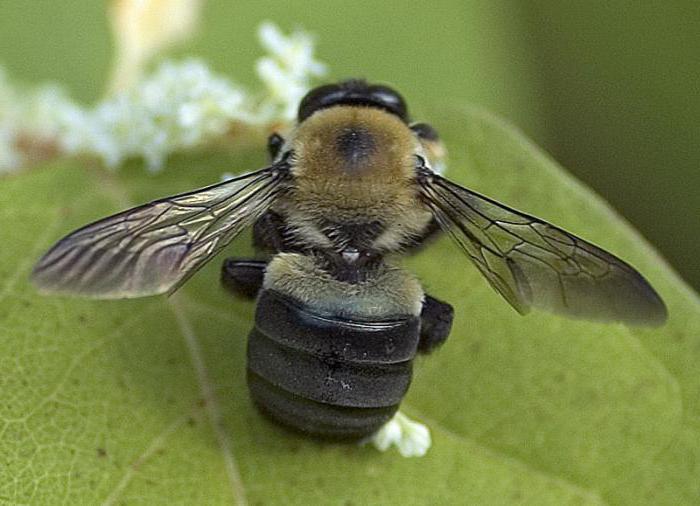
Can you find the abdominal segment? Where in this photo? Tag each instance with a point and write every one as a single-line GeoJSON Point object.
{"type": "Point", "coordinates": [326, 375]}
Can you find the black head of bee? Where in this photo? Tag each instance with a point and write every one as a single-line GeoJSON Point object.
{"type": "Point", "coordinates": [353, 92]}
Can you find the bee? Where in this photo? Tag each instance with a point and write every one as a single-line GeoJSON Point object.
{"type": "Point", "coordinates": [338, 322]}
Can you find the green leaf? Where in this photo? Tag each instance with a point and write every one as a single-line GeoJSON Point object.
{"type": "Point", "coordinates": [144, 401]}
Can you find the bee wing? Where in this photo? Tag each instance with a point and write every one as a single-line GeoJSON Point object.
{"type": "Point", "coordinates": [155, 247]}
{"type": "Point", "coordinates": [532, 263]}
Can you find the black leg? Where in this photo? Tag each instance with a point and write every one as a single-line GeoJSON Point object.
{"type": "Point", "coordinates": [243, 277]}
{"type": "Point", "coordinates": [436, 322]}
{"type": "Point", "coordinates": [268, 233]}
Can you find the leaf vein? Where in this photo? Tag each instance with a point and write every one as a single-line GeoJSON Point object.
{"type": "Point", "coordinates": [114, 189]}
{"type": "Point", "coordinates": [211, 402]}
{"type": "Point", "coordinates": [149, 452]}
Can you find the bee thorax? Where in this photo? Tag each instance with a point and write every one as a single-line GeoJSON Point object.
{"type": "Point", "coordinates": [385, 291]}
{"type": "Point", "coordinates": [356, 147]}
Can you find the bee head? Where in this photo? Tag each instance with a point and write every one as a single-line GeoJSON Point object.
{"type": "Point", "coordinates": [353, 92]}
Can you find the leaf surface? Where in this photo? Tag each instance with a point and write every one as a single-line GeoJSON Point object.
{"type": "Point", "coordinates": [144, 401]}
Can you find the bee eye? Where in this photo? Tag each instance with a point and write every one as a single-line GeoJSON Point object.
{"type": "Point", "coordinates": [425, 131]}
{"type": "Point", "coordinates": [353, 92]}
{"type": "Point", "coordinates": [390, 100]}
{"type": "Point", "coordinates": [274, 143]}
{"type": "Point", "coordinates": [320, 98]}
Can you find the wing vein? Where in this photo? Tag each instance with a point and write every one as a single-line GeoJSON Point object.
{"type": "Point", "coordinates": [532, 263]}
{"type": "Point", "coordinates": [155, 247]}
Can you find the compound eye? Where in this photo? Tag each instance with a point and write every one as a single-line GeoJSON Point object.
{"type": "Point", "coordinates": [352, 92]}
{"type": "Point", "coordinates": [274, 143]}
{"type": "Point", "coordinates": [319, 98]}
{"type": "Point", "coordinates": [390, 99]}
{"type": "Point", "coordinates": [425, 132]}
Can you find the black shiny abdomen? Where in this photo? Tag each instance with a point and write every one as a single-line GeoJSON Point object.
{"type": "Point", "coordinates": [328, 376]}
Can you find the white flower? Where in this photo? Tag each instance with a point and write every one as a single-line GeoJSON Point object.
{"type": "Point", "coordinates": [295, 53]}
{"type": "Point", "coordinates": [185, 104]}
{"type": "Point", "coordinates": [287, 72]}
{"type": "Point", "coordinates": [178, 106]}
{"type": "Point", "coordinates": [411, 438]}
{"type": "Point", "coordinates": [35, 114]}
{"type": "Point", "coordinates": [10, 158]}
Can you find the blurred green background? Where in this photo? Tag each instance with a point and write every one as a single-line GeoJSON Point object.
{"type": "Point", "coordinates": [610, 89]}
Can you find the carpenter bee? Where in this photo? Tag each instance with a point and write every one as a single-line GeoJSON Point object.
{"type": "Point", "coordinates": [338, 322]}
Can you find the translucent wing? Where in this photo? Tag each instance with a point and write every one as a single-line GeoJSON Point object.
{"type": "Point", "coordinates": [155, 247]}
{"type": "Point", "coordinates": [534, 264]}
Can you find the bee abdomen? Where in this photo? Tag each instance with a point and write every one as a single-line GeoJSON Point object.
{"type": "Point", "coordinates": [328, 376]}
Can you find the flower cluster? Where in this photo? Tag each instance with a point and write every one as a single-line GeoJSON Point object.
{"type": "Point", "coordinates": [28, 120]}
{"type": "Point", "coordinates": [178, 106]}
{"type": "Point", "coordinates": [9, 157]}
{"type": "Point", "coordinates": [287, 72]}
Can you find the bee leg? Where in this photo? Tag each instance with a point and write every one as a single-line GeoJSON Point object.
{"type": "Point", "coordinates": [411, 438]}
{"type": "Point", "coordinates": [268, 233]}
{"type": "Point", "coordinates": [243, 277]}
{"type": "Point", "coordinates": [436, 323]}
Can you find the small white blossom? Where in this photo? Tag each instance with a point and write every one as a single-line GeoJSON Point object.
{"type": "Point", "coordinates": [34, 114]}
{"type": "Point", "coordinates": [388, 435]}
{"type": "Point", "coordinates": [10, 158]}
{"type": "Point", "coordinates": [287, 72]}
{"type": "Point", "coordinates": [179, 106]}
{"type": "Point", "coordinates": [412, 439]}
